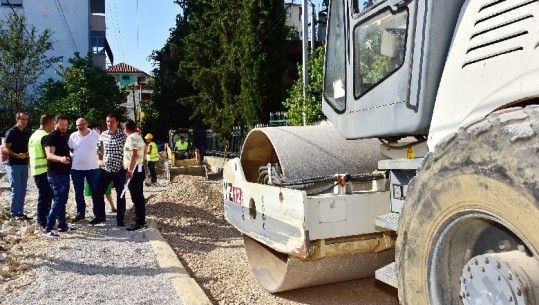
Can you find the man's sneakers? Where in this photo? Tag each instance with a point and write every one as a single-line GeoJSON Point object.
{"type": "Point", "coordinates": [50, 234]}
{"type": "Point", "coordinates": [96, 221]}
{"type": "Point", "coordinates": [78, 218]}
{"type": "Point", "coordinates": [22, 217]}
{"type": "Point", "coordinates": [67, 229]}
{"type": "Point", "coordinates": [136, 227]}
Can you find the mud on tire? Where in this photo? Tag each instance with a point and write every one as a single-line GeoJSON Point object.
{"type": "Point", "coordinates": [479, 184]}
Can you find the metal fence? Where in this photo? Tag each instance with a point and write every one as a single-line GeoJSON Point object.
{"type": "Point", "coordinates": [213, 146]}
{"type": "Point", "coordinates": [235, 142]}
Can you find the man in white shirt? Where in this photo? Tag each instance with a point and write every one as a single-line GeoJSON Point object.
{"type": "Point", "coordinates": [83, 143]}
{"type": "Point", "coordinates": [133, 160]}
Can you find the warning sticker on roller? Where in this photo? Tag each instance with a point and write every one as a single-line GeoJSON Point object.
{"type": "Point", "coordinates": [233, 193]}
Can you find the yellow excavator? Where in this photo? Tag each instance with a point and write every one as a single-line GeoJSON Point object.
{"type": "Point", "coordinates": [183, 158]}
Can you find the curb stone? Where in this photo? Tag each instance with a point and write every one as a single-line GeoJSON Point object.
{"type": "Point", "coordinates": [187, 289]}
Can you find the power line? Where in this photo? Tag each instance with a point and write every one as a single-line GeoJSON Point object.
{"type": "Point", "coordinates": [138, 63]}
{"type": "Point", "coordinates": [117, 32]}
{"type": "Point", "coordinates": [30, 36]}
{"type": "Point", "coordinates": [66, 24]}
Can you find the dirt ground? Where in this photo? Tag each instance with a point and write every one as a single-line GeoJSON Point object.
{"type": "Point", "coordinates": [189, 213]}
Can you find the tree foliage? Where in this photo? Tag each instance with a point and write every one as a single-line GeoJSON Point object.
{"type": "Point", "coordinates": [233, 57]}
{"type": "Point", "coordinates": [229, 60]}
{"type": "Point", "coordinates": [263, 42]}
{"type": "Point", "coordinates": [85, 91]}
{"type": "Point", "coordinates": [164, 111]}
{"type": "Point", "coordinates": [296, 104]}
{"type": "Point", "coordinates": [210, 63]}
{"type": "Point", "coordinates": [24, 58]}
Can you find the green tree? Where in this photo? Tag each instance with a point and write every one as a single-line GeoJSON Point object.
{"type": "Point", "coordinates": [23, 60]}
{"type": "Point", "coordinates": [164, 111]}
{"type": "Point", "coordinates": [295, 103]}
{"type": "Point", "coordinates": [85, 91]}
{"type": "Point", "coordinates": [234, 58]}
{"type": "Point", "coordinates": [211, 56]}
{"type": "Point", "coordinates": [263, 38]}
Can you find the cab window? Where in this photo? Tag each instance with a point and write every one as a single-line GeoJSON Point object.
{"type": "Point", "coordinates": [380, 46]}
{"type": "Point", "coordinates": [335, 71]}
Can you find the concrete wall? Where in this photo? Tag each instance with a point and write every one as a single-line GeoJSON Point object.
{"type": "Point", "coordinates": [130, 101]}
{"type": "Point", "coordinates": [44, 14]}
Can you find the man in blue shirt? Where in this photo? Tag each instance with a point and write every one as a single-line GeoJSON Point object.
{"type": "Point", "coordinates": [16, 147]}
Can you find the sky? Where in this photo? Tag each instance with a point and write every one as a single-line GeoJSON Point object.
{"type": "Point", "coordinates": [152, 19]}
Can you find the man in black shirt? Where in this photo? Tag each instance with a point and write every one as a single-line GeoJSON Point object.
{"type": "Point", "coordinates": [58, 171]}
{"type": "Point", "coordinates": [16, 147]}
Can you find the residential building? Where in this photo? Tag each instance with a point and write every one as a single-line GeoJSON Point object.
{"type": "Point", "coordinates": [76, 25]}
{"type": "Point", "coordinates": [134, 80]}
{"type": "Point", "coordinates": [293, 19]}
{"type": "Point", "coordinates": [128, 75]}
{"type": "Point", "coordinates": [295, 45]}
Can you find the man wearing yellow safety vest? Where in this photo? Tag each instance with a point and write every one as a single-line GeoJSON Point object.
{"type": "Point", "coordinates": [38, 168]}
{"type": "Point", "coordinates": [152, 156]}
{"type": "Point", "coordinates": [182, 147]}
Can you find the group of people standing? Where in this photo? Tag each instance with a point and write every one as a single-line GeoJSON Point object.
{"type": "Point", "coordinates": [116, 155]}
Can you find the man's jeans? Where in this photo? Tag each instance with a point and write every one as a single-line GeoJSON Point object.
{"type": "Point", "coordinates": [18, 177]}
{"type": "Point", "coordinates": [78, 176]}
{"type": "Point", "coordinates": [60, 189]}
{"type": "Point", "coordinates": [105, 178]}
{"type": "Point", "coordinates": [44, 200]}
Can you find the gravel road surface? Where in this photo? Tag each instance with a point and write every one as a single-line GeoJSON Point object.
{"type": "Point", "coordinates": [93, 265]}
{"type": "Point", "coordinates": [98, 265]}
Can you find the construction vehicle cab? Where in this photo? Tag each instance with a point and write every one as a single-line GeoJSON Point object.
{"type": "Point", "coordinates": [183, 158]}
{"type": "Point", "coordinates": [449, 88]}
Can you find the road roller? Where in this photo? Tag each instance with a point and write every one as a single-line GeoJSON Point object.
{"type": "Point", "coordinates": [427, 177]}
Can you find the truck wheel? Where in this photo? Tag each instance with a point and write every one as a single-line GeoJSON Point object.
{"type": "Point", "coordinates": [469, 231]}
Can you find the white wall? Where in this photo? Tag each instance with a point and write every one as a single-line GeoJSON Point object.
{"type": "Point", "coordinates": [44, 14]}
{"type": "Point", "coordinates": [293, 19]}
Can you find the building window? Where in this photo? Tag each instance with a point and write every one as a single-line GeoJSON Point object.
{"type": "Point", "coordinates": [288, 11]}
{"type": "Point", "coordinates": [126, 77]}
{"type": "Point", "coordinates": [300, 13]}
{"type": "Point", "coordinates": [97, 42]}
{"type": "Point", "coordinates": [15, 3]}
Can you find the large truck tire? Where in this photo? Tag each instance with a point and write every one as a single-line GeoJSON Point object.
{"type": "Point", "coordinates": [469, 231]}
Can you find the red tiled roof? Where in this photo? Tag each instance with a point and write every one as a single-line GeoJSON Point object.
{"type": "Point", "coordinates": [123, 68]}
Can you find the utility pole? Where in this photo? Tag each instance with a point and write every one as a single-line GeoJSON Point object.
{"type": "Point", "coordinates": [134, 103]}
{"type": "Point", "coordinates": [305, 30]}
{"type": "Point", "coordinates": [313, 27]}
{"type": "Point", "coordinates": [139, 94]}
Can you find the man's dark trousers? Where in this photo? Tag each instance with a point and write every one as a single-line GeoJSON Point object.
{"type": "Point", "coordinates": [118, 179]}
{"type": "Point", "coordinates": [44, 199]}
{"type": "Point", "coordinates": [137, 196]}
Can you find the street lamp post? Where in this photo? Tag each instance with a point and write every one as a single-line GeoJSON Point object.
{"type": "Point", "coordinates": [305, 38]}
